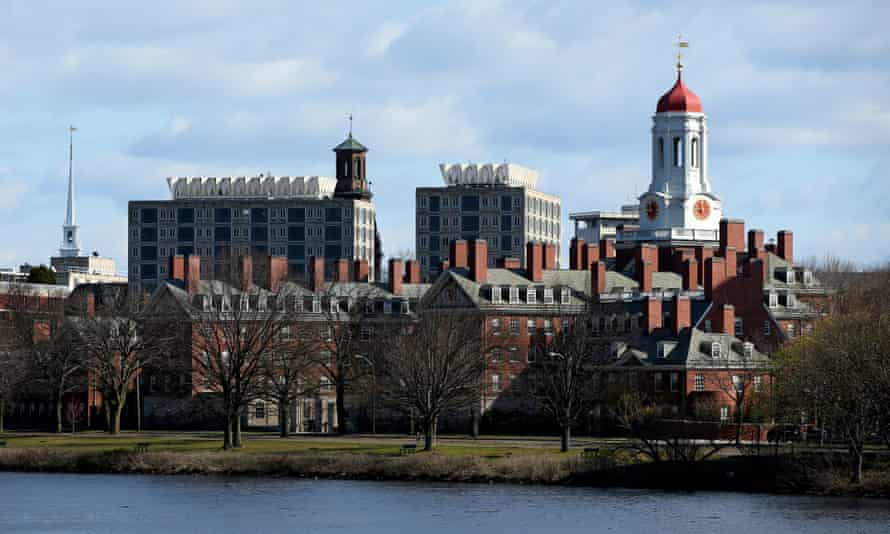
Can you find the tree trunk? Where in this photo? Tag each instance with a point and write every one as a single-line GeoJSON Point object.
{"type": "Point", "coordinates": [2, 413]}
{"type": "Point", "coordinates": [341, 408]}
{"type": "Point", "coordinates": [475, 428]}
{"type": "Point", "coordinates": [116, 422]}
{"type": "Point", "coordinates": [227, 433]}
{"type": "Point", "coordinates": [565, 437]}
{"type": "Point", "coordinates": [856, 477]}
{"type": "Point", "coordinates": [428, 429]}
{"type": "Point", "coordinates": [59, 415]}
{"type": "Point", "coordinates": [236, 431]}
{"type": "Point", "coordinates": [283, 418]}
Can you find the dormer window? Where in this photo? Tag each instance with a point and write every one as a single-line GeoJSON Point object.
{"type": "Point", "coordinates": [716, 350]}
{"type": "Point", "coordinates": [495, 295]}
{"type": "Point", "coordinates": [514, 295]}
{"type": "Point", "coordinates": [369, 306]}
{"type": "Point", "coordinates": [748, 349]}
{"type": "Point", "coordinates": [790, 300]}
{"type": "Point", "coordinates": [773, 300]}
{"type": "Point", "coordinates": [664, 349]}
{"type": "Point", "coordinates": [565, 296]}
{"type": "Point", "coordinates": [548, 295]}
{"type": "Point", "coordinates": [334, 305]}
{"type": "Point", "coordinates": [316, 305]}
{"type": "Point", "coordinates": [205, 302]}
{"type": "Point", "coordinates": [807, 277]}
{"type": "Point", "coordinates": [531, 295]}
{"type": "Point", "coordinates": [387, 306]}
{"type": "Point", "coordinates": [406, 309]}
{"type": "Point", "coordinates": [789, 276]}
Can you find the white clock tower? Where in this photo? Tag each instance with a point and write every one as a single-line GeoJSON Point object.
{"type": "Point", "coordinates": [679, 205]}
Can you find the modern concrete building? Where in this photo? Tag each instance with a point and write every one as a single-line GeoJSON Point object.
{"type": "Point", "coordinates": [495, 202]}
{"type": "Point", "coordinates": [222, 219]}
{"type": "Point", "coordinates": [592, 226]}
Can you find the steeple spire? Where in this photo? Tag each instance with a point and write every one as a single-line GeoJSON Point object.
{"type": "Point", "coordinates": [70, 243]}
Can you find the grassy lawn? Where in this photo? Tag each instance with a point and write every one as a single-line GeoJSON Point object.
{"type": "Point", "coordinates": [261, 444]}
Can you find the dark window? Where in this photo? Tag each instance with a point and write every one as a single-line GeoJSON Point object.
{"type": "Point", "coordinates": [506, 242]}
{"type": "Point", "coordinates": [222, 233]}
{"type": "Point", "coordinates": [149, 215]}
{"type": "Point", "coordinates": [435, 263]}
{"type": "Point", "coordinates": [506, 223]}
{"type": "Point", "coordinates": [185, 250]}
{"type": "Point", "coordinates": [222, 252]}
{"type": "Point", "coordinates": [296, 252]}
{"type": "Point", "coordinates": [332, 251]}
{"type": "Point", "coordinates": [434, 243]}
{"type": "Point", "coordinates": [296, 214]}
{"type": "Point", "coordinates": [297, 271]}
{"type": "Point", "coordinates": [186, 233]}
{"type": "Point", "coordinates": [150, 253]}
{"type": "Point", "coordinates": [332, 233]}
{"type": "Point", "coordinates": [222, 215]}
{"type": "Point", "coordinates": [333, 214]}
{"type": "Point", "coordinates": [148, 233]}
{"type": "Point", "coordinates": [259, 233]}
{"type": "Point", "coordinates": [149, 271]}
{"type": "Point", "coordinates": [296, 233]}
{"type": "Point", "coordinates": [469, 223]}
{"type": "Point", "coordinates": [185, 215]}
{"type": "Point", "coordinates": [434, 223]}
{"type": "Point", "coordinates": [259, 215]}
{"type": "Point", "coordinates": [259, 250]}
{"type": "Point", "coordinates": [469, 203]}
{"type": "Point", "coordinates": [506, 203]}
{"type": "Point", "coordinates": [434, 203]}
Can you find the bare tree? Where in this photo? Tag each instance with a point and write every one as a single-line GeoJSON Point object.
{"type": "Point", "coordinates": [118, 347]}
{"type": "Point", "coordinates": [433, 366]}
{"type": "Point", "coordinates": [739, 376]}
{"type": "Point", "coordinates": [287, 371]}
{"type": "Point", "coordinates": [12, 371]}
{"type": "Point", "coordinates": [566, 374]}
{"type": "Point", "coordinates": [235, 334]}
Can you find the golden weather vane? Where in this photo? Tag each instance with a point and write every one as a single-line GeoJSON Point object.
{"type": "Point", "coordinates": [681, 44]}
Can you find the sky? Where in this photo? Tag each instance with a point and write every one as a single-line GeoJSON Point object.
{"type": "Point", "coordinates": [797, 96]}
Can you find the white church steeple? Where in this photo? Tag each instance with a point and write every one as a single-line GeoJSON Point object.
{"type": "Point", "coordinates": [679, 203]}
{"type": "Point", "coordinates": [70, 243]}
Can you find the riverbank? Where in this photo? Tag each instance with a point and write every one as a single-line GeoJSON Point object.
{"type": "Point", "coordinates": [815, 475]}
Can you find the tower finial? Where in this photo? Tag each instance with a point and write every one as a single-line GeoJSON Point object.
{"type": "Point", "coordinates": [681, 44]}
{"type": "Point", "coordinates": [350, 124]}
{"type": "Point", "coordinates": [70, 244]}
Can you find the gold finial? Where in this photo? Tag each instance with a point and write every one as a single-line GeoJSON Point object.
{"type": "Point", "coordinates": [681, 44]}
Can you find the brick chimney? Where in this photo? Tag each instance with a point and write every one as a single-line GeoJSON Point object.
{"type": "Point", "coordinates": [757, 268]}
{"type": "Point", "coordinates": [277, 272]}
{"type": "Point", "coordinates": [727, 319]}
{"type": "Point", "coordinates": [591, 254]}
{"type": "Point", "coordinates": [701, 256]}
{"type": "Point", "coordinates": [509, 263]}
{"type": "Point", "coordinates": [316, 273]}
{"type": "Point", "coordinates": [785, 245]}
{"type": "Point", "coordinates": [690, 275]}
{"type": "Point", "coordinates": [646, 252]}
{"type": "Point", "coordinates": [644, 275]}
{"type": "Point", "coordinates": [652, 311]}
{"type": "Point", "coordinates": [459, 254]}
{"type": "Point", "coordinates": [177, 267]}
{"type": "Point", "coordinates": [395, 276]}
{"type": "Point", "coordinates": [715, 274]}
{"type": "Point", "coordinates": [245, 273]}
{"type": "Point", "coordinates": [534, 261]}
{"type": "Point", "coordinates": [755, 243]}
{"type": "Point", "coordinates": [479, 261]}
{"type": "Point", "coordinates": [341, 270]}
{"type": "Point", "coordinates": [549, 256]}
{"type": "Point", "coordinates": [597, 278]}
{"type": "Point", "coordinates": [607, 248]}
{"type": "Point", "coordinates": [682, 314]}
{"type": "Point", "coordinates": [732, 233]}
{"type": "Point", "coordinates": [360, 270]}
{"type": "Point", "coordinates": [730, 260]}
{"type": "Point", "coordinates": [412, 272]}
{"type": "Point", "coordinates": [193, 274]}
{"type": "Point", "coordinates": [577, 251]}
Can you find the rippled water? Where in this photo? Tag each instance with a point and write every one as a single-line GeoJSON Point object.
{"type": "Point", "coordinates": [165, 505]}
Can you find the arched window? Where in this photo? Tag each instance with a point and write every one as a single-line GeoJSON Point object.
{"type": "Point", "coordinates": [358, 166]}
{"type": "Point", "coordinates": [661, 152]}
{"type": "Point", "coordinates": [678, 152]}
{"type": "Point", "coordinates": [693, 153]}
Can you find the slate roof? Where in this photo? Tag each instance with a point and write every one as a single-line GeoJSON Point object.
{"type": "Point", "coordinates": [350, 144]}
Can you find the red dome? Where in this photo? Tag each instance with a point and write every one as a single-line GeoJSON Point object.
{"type": "Point", "coordinates": [679, 98]}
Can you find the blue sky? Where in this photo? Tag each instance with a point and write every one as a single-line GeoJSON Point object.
{"type": "Point", "coordinates": [797, 94]}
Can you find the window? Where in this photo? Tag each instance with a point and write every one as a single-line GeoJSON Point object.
{"type": "Point", "coordinates": [739, 328]}
{"type": "Point", "coordinates": [693, 152]}
{"type": "Point", "coordinates": [790, 300]}
{"type": "Point", "coordinates": [663, 350]}
{"type": "Point", "coordinates": [758, 383]}
{"type": "Point", "coordinates": [658, 385]}
{"type": "Point", "coordinates": [324, 384]}
{"type": "Point", "coordinates": [565, 296]}
{"type": "Point", "coordinates": [748, 349]}
{"type": "Point", "coordinates": [514, 354]}
{"type": "Point", "coordinates": [773, 300]}
{"type": "Point", "coordinates": [548, 295]}
{"type": "Point", "coordinates": [316, 305]}
{"type": "Point", "coordinates": [678, 152]}
{"type": "Point", "coordinates": [495, 355]}
{"type": "Point", "coordinates": [707, 325]}
{"type": "Point", "coordinates": [514, 295]}
{"type": "Point", "coordinates": [531, 296]}
{"type": "Point", "coordinates": [514, 327]}
{"type": "Point", "coordinates": [387, 306]}
{"type": "Point", "coordinates": [724, 414]}
{"type": "Point", "coordinates": [548, 327]}
{"type": "Point", "coordinates": [531, 325]}
{"type": "Point", "coordinates": [767, 328]}
{"type": "Point", "coordinates": [260, 410]}
{"type": "Point", "coordinates": [496, 326]}
{"type": "Point", "coordinates": [365, 333]}
{"type": "Point", "coordinates": [675, 382]}
{"type": "Point", "coordinates": [738, 385]}
{"type": "Point", "coordinates": [495, 295]}
{"type": "Point", "coordinates": [496, 383]}
{"type": "Point", "coordinates": [716, 350]}
{"type": "Point", "coordinates": [790, 329]}
{"type": "Point", "coordinates": [699, 382]}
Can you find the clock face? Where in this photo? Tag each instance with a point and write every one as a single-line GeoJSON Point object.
{"type": "Point", "coordinates": [701, 209]}
{"type": "Point", "coordinates": [652, 210]}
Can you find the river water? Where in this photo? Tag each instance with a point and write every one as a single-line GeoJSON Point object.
{"type": "Point", "coordinates": [166, 504]}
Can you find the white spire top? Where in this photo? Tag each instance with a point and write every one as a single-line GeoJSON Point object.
{"type": "Point", "coordinates": [70, 243]}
